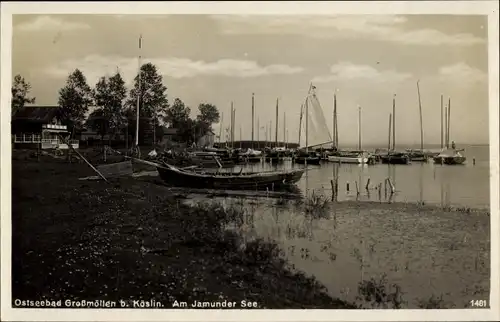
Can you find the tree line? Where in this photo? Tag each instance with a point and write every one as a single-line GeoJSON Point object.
{"type": "Point", "coordinates": [115, 111]}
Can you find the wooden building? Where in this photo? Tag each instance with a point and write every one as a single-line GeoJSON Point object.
{"type": "Point", "coordinates": [38, 126]}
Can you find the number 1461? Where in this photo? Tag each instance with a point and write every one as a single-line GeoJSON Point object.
{"type": "Point", "coordinates": [478, 303]}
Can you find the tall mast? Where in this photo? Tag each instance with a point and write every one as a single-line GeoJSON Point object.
{"type": "Point", "coordinates": [359, 128]}
{"type": "Point", "coordinates": [284, 128]}
{"type": "Point", "coordinates": [300, 120]}
{"type": "Point", "coordinates": [394, 122]}
{"type": "Point", "coordinates": [442, 142]}
{"type": "Point", "coordinates": [253, 115]}
{"type": "Point", "coordinates": [276, 137]}
{"type": "Point", "coordinates": [421, 125]}
{"type": "Point", "coordinates": [258, 132]}
{"type": "Point", "coordinates": [446, 126]}
{"type": "Point", "coordinates": [234, 125]}
{"type": "Point", "coordinates": [449, 119]}
{"type": "Point", "coordinates": [335, 130]}
{"type": "Point", "coordinates": [390, 125]}
{"type": "Point", "coordinates": [139, 94]}
{"type": "Point", "coordinates": [220, 126]}
{"type": "Point", "coordinates": [231, 134]}
{"type": "Point", "coordinates": [307, 123]}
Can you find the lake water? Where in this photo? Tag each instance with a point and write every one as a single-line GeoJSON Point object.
{"type": "Point", "coordinates": [464, 185]}
{"type": "Point", "coordinates": [426, 253]}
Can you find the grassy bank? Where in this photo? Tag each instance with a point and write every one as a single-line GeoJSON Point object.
{"type": "Point", "coordinates": [127, 239]}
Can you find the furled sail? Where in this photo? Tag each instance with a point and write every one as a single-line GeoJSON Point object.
{"type": "Point", "coordinates": [318, 132]}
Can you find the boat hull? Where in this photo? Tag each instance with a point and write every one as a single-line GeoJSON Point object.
{"type": "Point", "coordinates": [254, 181]}
{"type": "Point", "coordinates": [395, 160]}
{"type": "Point", "coordinates": [449, 160]}
{"type": "Point", "coordinates": [313, 161]}
{"type": "Point", "coordinates": [355, 160]}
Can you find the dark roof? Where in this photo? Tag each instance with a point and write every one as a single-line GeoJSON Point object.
{"type": "Point", "coordinates": [36, 113]}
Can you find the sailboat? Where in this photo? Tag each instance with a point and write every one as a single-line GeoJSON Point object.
{"type": "Point", "coordinates": [418, 155]}
{"type": "Point", "coordinates": [315, 135]}
{"type": "Point", "coordinates": [449, 156]}
{"type": "Point", "coordinates": [392, 156]}
{"type": "Point", "coordinates": [275, 155]}
{"type": "Point", "coordinates": [357, 157]}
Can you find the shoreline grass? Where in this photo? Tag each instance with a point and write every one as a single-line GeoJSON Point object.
{"type": "Point", "coordinates": [128, 240]}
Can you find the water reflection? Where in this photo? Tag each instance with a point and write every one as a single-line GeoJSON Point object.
{"type": "Point", "coordinates": [352, 244]}
{"type": "Point", "coordinates": [419, 182]}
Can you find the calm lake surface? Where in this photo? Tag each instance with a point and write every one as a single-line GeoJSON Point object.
{"type": "Point", "coordinates": [429, 253]}
{"type": "Point", "coordinates": [464, 185]}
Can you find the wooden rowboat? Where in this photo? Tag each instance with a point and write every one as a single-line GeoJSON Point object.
{"type": "Point", "coordinates": [241, 181]}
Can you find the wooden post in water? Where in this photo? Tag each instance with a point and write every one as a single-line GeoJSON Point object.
{"type": "Point", "coordinates": [367, 187]}
{"type": "Point", "coordinates": [333, 189]}
{"type": "Point", "coordinates": [391, 185]}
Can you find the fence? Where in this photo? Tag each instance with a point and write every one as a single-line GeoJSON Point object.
{"type": "Point", "coordinates": [45, 143]}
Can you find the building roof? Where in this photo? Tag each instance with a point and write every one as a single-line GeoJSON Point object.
{"type": "Point", "coordinates": [36, 113]}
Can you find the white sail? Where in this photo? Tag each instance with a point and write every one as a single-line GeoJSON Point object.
{"type": "Point", "coordinates": [318, 132]}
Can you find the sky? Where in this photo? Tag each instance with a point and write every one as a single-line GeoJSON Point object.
{"type": "Point", "coordinates": [220, 59]}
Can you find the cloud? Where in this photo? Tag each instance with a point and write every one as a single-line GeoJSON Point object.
{"type": "Point", "coordinates": [51, 23]}
{"type": "Point", "coordinates": [378, 27]}
{"type": "Point", "coordinates": [346, 71]}
{"type": "Point", "coordinates": [462, 73]}
{"type": "Point", "coordinates": [95, 66]}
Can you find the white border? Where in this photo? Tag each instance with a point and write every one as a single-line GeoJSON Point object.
{"type": "Point", "coordinates": [489, 8]}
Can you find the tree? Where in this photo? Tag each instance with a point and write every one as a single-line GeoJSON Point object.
{"type": "Point", "coordinates": [177, 115]}
{"type": "Point", "coordinates": [74, 100]}
{"type": "Point", "coordinates": [108, 95]}
{"type": "Point", "coordinates": [20, 91]}
{"type": "Point", "coordinates": [97, 122]}
{"type": "Point", "coordinates": [208, 115]}
{"type": "Point", "coordinates": [153, 100]}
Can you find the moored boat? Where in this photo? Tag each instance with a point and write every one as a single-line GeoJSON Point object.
{"type": "Point", "coordinates": [349, 157]}
{"type": "Point", "coordinates": [250, 156]}
{"type": "Point", "coordinates": [450, 157]}
{"type": "Point", "coordinates": [395, 158]}
{"type": "Point", "coordinates": [274, 156]}
{"type": "Point", "coordinates": [241, 181]}
{"type": "Point", "coordinates": [417, 155]}
{"type": "Point", "coordinates": [307, 158]}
